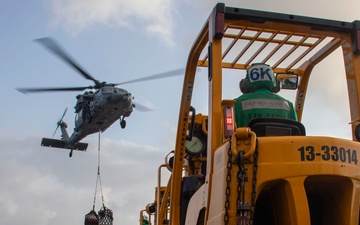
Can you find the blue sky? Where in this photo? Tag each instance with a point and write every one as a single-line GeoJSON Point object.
{"type": "Point", "coordinates": [115, 41]}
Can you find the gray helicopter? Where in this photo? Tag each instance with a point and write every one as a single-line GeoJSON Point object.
{"type": "Point", "coordinates": [95, 110]}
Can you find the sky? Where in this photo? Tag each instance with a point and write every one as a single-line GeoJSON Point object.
{"type": "Point", "coordinates": [116, 41]}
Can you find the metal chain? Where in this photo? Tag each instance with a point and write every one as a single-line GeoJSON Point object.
{"type": "Point", "coordinates": [243, 209]}
{"type": "Point", "coordinates": [241, 178]}
{"type": "Point", "coordinates": [254, 179]}
{"type": "Point", "coordinates": [228, 182]}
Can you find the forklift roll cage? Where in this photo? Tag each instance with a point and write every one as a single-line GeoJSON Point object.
{"type": "Point", "coordinates": [234, 38]}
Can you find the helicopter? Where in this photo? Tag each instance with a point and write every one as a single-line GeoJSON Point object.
{"type": "Point", "coordinates": [95, 111]}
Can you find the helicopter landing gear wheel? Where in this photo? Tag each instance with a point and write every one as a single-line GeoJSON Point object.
{"type": "Point", "coordinates": [122, 123]}
{"type": "Point", "coordinates": [71, 153]}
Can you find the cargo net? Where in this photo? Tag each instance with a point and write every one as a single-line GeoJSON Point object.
{"type": "Point", "coordinates": [105, 215]}
{"type": "Point", "coordinates": [91, 218]}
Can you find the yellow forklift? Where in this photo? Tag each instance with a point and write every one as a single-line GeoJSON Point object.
{"type": "Point", "coordinates": [268, 171]}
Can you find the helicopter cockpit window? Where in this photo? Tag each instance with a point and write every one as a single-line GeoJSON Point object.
{"type": "Point", "coordinates": [107, 89]}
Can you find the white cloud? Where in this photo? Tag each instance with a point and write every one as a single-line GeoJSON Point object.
{"type": "Point", "coordinates": [7, 205]}
{"type": "Point", "coordinates": [44, 186]}
{"type": "Point", "coordinates": [156, 17]}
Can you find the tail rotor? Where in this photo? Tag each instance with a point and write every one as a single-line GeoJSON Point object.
{"type": "Point", "coordinates": [60, 122]}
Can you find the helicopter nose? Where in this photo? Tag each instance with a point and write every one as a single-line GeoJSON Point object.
{"type": "Point", "coordinates": [127, 98]}
{"type": "Point", "coordinates": [124, 99]}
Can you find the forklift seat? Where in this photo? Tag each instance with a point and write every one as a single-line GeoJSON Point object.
{"type": "Point", "coordinates": [276, 127]}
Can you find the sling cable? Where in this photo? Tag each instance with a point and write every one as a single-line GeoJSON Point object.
{"type": "Point", "coordinates": [104, 215]}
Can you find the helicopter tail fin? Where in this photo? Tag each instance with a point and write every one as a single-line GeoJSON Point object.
{"type": "Point", "coordinates": [55, 143]}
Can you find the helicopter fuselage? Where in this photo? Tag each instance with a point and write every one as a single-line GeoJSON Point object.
{"type": "Point", "coordinates": [97, 111]}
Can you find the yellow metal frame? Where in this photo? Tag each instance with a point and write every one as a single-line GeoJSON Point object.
{"type": "Point", "coordinates": [307, 41]}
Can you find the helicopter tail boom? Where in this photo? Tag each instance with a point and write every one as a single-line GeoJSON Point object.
{"type": "Point", "coordinates": [55, 143]}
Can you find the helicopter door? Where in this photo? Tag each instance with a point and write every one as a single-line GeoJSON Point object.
{"type": "Point", "coordinates": [79, 120]}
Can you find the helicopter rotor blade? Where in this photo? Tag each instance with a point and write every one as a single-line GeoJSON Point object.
{"type": "Point", "coordinates": [63, 114]}
{"type": "Point", "coordinates": [142, 108]}
{"type": "Point", "coordinates": [60, 121]}
{"type": "Point", "coordinates": [171, 73]}
{"type": "Point", "coordinates": [55, 48]}
{"type": "Point", "coordinates": [37, 90]}
{"type": "Point", "coordinates": [58, 125]}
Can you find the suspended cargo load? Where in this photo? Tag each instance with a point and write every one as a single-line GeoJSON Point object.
{"type": "Point", "coordinates": [91, 218]}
